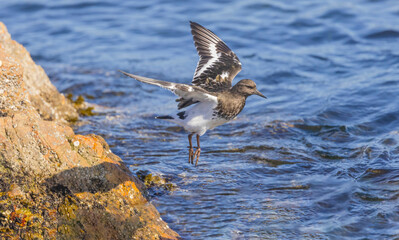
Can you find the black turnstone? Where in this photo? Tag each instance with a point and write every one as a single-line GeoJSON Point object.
{"type": "Point", "coordinates": [211, 100]}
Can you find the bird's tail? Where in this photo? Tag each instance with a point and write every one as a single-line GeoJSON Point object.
{"type": "Point", "coordinates": [163, 84]}
{"type": "Point", "coordinates": [165, 117]}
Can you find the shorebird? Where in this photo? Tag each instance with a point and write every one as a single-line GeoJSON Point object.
{"type": "Point", "coordinates": [211, 100]}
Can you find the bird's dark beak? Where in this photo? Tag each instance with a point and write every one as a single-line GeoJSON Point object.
{"type": "Point", "coordinates": [259, 94]}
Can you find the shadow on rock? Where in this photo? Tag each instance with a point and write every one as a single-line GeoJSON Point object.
{"type": "Point", "coordinates": [99, 178]}
{"type": "Point", "coordinates": [115, 209]}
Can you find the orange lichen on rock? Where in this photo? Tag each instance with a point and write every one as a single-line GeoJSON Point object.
{"type": "Point", "coordinates": [55, 184]}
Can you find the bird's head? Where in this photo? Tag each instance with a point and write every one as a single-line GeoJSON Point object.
{"type": "Point", "coordinates": [247, 87]}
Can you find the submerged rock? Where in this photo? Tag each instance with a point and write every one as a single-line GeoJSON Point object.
{"type": "Point", "coordinates": [55, 184]}
{"type": "Point", "coordinates": [155, 184]}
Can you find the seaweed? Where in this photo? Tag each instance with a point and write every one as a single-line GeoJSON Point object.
{"type": "Point", "coordinates": [80, 105]}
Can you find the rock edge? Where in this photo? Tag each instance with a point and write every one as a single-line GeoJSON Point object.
{"type": "Point", "coordinates": [55, 184]}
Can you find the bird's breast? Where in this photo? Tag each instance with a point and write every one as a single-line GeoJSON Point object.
{"type": "Point", "coordinates": [228, 107]}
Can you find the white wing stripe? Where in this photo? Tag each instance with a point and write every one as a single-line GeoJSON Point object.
{"type": "Point", "coordinates": [215, 55]}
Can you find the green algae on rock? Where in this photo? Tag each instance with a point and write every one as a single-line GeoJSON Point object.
{"type": "Point", "coordinates": [155, 183]}
{"type": "Point", "coordinates": [80, 105]}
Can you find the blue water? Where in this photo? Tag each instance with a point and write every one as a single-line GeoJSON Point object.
{"type": "Point", "coordinates": [318, 160]}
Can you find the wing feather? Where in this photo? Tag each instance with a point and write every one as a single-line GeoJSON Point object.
{"type": "Point", "coordinates": [218, 65]}
{"type": "Point", "coordinates": [188, 94]}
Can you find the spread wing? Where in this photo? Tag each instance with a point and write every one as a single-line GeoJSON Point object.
{"type": "Point", "coordinates": [218, 65]}
{"type": "Point", "coordinates": [188, 94]}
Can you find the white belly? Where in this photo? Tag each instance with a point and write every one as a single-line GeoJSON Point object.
{"type": "Point", "coordinates": [199, 118]}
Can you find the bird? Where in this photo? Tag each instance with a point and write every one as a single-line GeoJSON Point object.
{"type": "Point", "coordinates": [211, 100]}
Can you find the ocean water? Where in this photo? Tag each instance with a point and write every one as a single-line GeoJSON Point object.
{"type": "Point", "coordinates": [319, 159]}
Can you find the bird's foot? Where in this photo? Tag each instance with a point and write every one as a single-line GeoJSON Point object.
{"type": "Point", "coordinates": [191, 155]}
{"type": "Point", "coordinates": [196, 154]}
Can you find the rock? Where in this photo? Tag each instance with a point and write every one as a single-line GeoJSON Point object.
{"type": "Point", "coordinates": [50, 104]}
{"type": "Point", "coordinates": [55, 184]}
{"type": "Point", "coordinates": [155, 183]}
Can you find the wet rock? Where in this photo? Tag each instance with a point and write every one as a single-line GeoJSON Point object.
{"type": "Point", "coordinates": [155, 183]}
{"type": "Point", "coordinates": [55, 184]}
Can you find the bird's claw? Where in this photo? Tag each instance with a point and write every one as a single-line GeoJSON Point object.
{"type": "Point", "coordinates": [196, 154]}
{"type": "Point", "coordinates": [191, 155]}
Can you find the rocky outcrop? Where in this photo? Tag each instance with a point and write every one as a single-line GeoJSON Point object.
{"type": "Point", "coordinates": [55, 184]}
{"type": "Point", "coordinates": [50, 104]}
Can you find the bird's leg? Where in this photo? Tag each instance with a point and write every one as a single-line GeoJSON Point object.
{"type": "Point", "coordinates": [190, 149]}
{"type": "Point", "coordinates": [198, 151]}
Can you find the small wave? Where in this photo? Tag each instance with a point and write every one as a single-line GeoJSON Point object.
{"type": "Point", "coordinates": [368, 197]}
{"type": "Point", "coordinates": [304, 23]}
{"type": "Point", "coordinates": [282, 76]}
{"type": "Point", "coordinates": [296, 187]}
{"type": "Point", "coordinates": [94, 4]}
{"type": "Point", "coordinates": [383, 34]}
{"type": "Point", "coordinates": [319, 57]}
{"type": "Point", "coordinates": [27, 7]}
{"type": "Point", "coordinates": [337, 15]}
{"type": "Point", "coordinates": [328, 155]}
{"type": "Point", "coordinates": [320, 128]}
{"type": "Point", "coordinates": [243, 149]}
{"type": "Point", "coordinates": [273, 162]}
{"type": "Point", "coordinates": [381, 175]}
{"type": "Point", "coordinates": [274, 6]}
{"type": "Point", "coordinates": [327, 34]}
{"type": "Point", "coordinates": [60, 31]}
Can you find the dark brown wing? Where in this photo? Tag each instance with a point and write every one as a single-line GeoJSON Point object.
{"type": "Point", "coordinates": [218, 65]}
